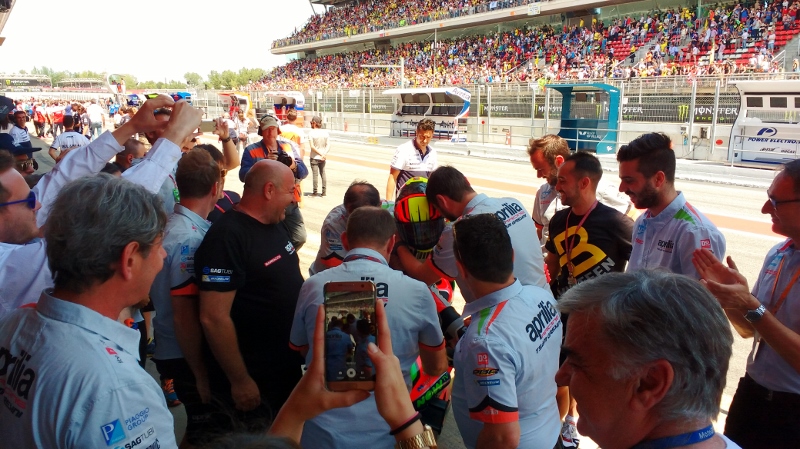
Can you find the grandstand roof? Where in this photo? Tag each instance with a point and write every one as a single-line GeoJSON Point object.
{"type": "Point", "coordinates": [498, 16]}
{"type": "Point", "coordinates": [4, 14]}
{"type": "Point", "coordinates": [330, 2]}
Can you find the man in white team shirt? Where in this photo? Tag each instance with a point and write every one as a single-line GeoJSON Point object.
{"type": "Point", "coordinates": [546, 154]}
{"type": "Point", "coordinates": [97, 117]}
{"type": "Point", "coordinates": [68, 368]}
{"type": "Point", "coordinates": [410, 311]}
{"type": "Point", "coordinates": [670, 230]}
{"type": "Point", "coordinates": [414, 158]}
{"type": "Point", "coordinates": [68, 140]}
{"type": "Point", "coordinates": [504, 395]}
{"type": "Point", "coordinates": [449, 192]}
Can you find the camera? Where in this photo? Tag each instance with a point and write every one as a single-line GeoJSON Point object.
{"type": "Point", "coordinates": [285, 159]}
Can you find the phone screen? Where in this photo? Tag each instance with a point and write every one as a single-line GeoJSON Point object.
{"type": "Point", "coordinates": [349, 327]}
{"type": "Point", "coordinates": [207, 126]}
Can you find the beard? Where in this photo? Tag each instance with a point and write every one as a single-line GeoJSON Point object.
{"type": "Point", "coordinates": [646, 198]}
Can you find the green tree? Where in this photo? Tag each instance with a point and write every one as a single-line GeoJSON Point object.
{"type": "Point", "coordinates": [192, 78]}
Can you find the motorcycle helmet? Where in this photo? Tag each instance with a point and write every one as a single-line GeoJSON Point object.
{"type": "Point", "coordinates": [419, 224]}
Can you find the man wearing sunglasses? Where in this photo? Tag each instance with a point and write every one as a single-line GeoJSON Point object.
{"type": "Point", "coordinates": [763, 412]}
{"type": "Point", "coordinates": [24, 270]}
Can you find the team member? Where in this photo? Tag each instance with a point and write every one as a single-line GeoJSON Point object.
{"type": "Point", "coordinates": [546, 155]}
{"type": "Point", "coordinates": [24, 211]}
{"type": "Point", "coordinates": [505, 394]}
{"type": "Point", "coordinates": [331, 250]}
{"type": "Point", "coordinates": [414, 158]}
{"type": "Point", "coordinates": [588, 238]}
{"type": "Point", "coordinates": [411, 314]}
{"type": "Point", "coordinates": [68, 140]}
{"type": "Point", "coordinates": [272, 146]}
{"type": "Point", "coordinates": [176, 326]}
{"type": "Point", "coordinates": [449, 192]}
{"type": "Point", "coordinates": [647, 355]}
{"type": "Point", "coordinates": [24, 162]}
{"type": "Point", "coordinates": [669, 231]}
{"type": "Point", "coordinates": [20, 130]}
{"type": "Point", "coordinates": [69, 370]}
{"type": "Point", "coordinates": [764, 409]}
{"type": "Point", "coordinates": [249, 282]}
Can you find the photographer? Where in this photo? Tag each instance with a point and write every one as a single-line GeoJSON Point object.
{"type": "Point", "coordinates": [271, 146]}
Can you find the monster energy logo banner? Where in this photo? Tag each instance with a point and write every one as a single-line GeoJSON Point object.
{"type": "Point", "coordinates": [539, 111]}
{"type": "Point", "coordinates": [506, 110]}
{"type": "Point", "coordinates": [16, 82]}
{"type": "Point", "coordinates": [705, 114]}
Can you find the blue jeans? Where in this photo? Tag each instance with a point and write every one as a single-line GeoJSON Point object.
{"type": "Point", "coordinates": [96, 129]}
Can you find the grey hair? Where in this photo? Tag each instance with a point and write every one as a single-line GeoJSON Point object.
{"type": "Point", "coordinates": [91, 222]}
{"type": "Point", "coordinates": [651, 315]}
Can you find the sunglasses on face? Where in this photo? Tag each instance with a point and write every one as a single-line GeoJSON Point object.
{"type": "Point", "coordinates": [30, 200]}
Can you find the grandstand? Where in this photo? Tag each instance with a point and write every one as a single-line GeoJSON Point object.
{"type": "Point", "coordinates": [459, 42]}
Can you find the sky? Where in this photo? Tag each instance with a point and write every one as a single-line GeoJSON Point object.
{"type": "Point", "coordinates": [149, 39]}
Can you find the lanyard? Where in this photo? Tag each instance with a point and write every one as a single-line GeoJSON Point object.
{"type": "Point", "coordinates": [785, 293]}
{"type": "Point", "coordinates": [569, 247]}
{"type": "Point", "coordinates": [360, 257]}
{"type": "Point", "coordinates": [683, 439]}
{"type": "Point", "coordinates": [229, 200]}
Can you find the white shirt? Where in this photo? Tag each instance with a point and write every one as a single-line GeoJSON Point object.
{"type": "Point", "coordinates": [412, 317]}
{"type": "Point", "coordinates": [506, 364]}
{"type": "Point", "coordinates": [68, 140]}
{"type": "Point", "coordinates": [412, 163]}
{"type": "Point", "coordinates": [319, 139]}
{"type": "Point", "coordinates": [20, 135]}
{"type": "Point", "coordinates": [22, 284]}
{"type": "Point", "coordinates": [528, 260]}
{"type": "Point", "coordinates": [95, 112]}
{"type": "Point", "coordinates": [76, 382]}
{"type": "Point", "coordinates": [331, 250]}
{"type": "Point", "coordinates": [669, 239]}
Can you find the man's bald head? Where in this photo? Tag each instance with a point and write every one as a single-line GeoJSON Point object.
{"type": "Point", "coordinates": [265, 171]}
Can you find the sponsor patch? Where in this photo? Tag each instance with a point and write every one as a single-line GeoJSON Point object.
{"type": "Point", "coordinates": [144, 440]}
{"type": "Point", "coordinates": [207, 278]}
{"type": "Point", "coordinates": [273, 260]}
{"type": "Point", "coordinates": [485, 372]}
{"type": "Point", "coordinates": [666, 245]}
{"type": "Point", "coordinates": [137, 419]}
{"type": "Point", "coordinates": [488, 382]}
{"type": "Point", "coordinates": [705, 244]}
{"type": "Point", "coordinates": [483, 359]}
{"type": "Point", "coordinates": [184, 249]}
{"type": "Point", "coordinates": [113, 432]}
{"type": "Point", "coordinates": [289, 248]}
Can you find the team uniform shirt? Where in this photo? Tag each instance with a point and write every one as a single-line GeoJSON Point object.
{"type": "Point", "coordinates": [23, 283]}
{"type": "Point", "coordinates": [71, 379]}
{"type": "Point", "coordinates": [669, 239]}
{"type": "Point", "coordinates": [547, 203]}
{"type": "Point", "coordinates": [182, 236]}
{"type": "Point", "coordinates": [331, 250]}
{"type": "Point", "coordinates": [259, 262]}
{"type": "Point", "coordinates": [411, 314]}
{"type": "Point", "coordinates": [528, 260]}
{"type": "Point", "coordinates": [602, 244]}
{"type": "Point", "coordinates": [21, 136]}
{"type": "Point", "coordinates": [765, 365]}
{"type": "Point", "coordinates": [411, 163]}
{"type": "Point", "coordinates": [68, 140]}
{"type": "Point", "coordinates": [506, 364]}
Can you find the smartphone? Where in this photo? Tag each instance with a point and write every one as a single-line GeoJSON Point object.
{"type": "Point", "coordinates": [349, 327]}
{"type": "Point", "coordinates": [208, 126]}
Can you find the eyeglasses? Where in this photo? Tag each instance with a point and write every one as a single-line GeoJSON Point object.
{"type": "Point", "coordinates": [775, 202]}
{"type": "Point", "coordinates": [30, 200]}
{"type": "Point", "coordinates": [28, 163]}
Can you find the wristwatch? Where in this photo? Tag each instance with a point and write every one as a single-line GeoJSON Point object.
{"type": "Point", "coordinates": [755, 314]}
{"type": "Point", "coordinates": [420, 441]}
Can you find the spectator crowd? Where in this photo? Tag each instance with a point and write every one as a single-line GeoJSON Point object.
{"type": "Point", "coordinates": [723, 40]}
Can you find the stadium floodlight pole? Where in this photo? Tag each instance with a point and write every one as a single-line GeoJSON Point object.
{"type": "Point", "coordinates": [400, 66]}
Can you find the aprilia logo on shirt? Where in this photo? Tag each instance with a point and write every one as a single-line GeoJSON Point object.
{"type": "Point", "coordinates": [16, 379]}
{"type": "Point", "coordinates": [666, 245]}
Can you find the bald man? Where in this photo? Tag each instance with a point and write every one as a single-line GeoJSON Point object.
{"type": "Point", "coordinates": [250, 279]}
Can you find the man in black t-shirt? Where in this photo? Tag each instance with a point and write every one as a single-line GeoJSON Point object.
{"type": "Point", "coordinates": [587, 239]}
{"type": "Point", "coordinates": [249, 282]}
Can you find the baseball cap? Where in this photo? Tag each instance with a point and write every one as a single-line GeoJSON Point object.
{"type": "Point", "coordinates": [7, 143]}
{"type": "Point", "coordinates": [268, 121]}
